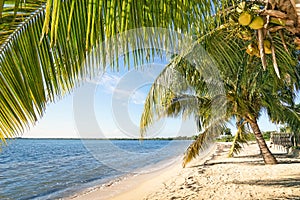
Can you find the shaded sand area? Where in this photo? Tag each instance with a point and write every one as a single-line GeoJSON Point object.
{"type": "Point", "coordinates": [211, 176]}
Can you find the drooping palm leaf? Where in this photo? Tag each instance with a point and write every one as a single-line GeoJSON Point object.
{"type": "Point", "coordinates": [201, 143]}
{"type": "Point", "coordinates": [200, 86]}
{"type": "Point", "coordinates": [240, 138]}
{"type": "Point", "coordinates": [37, 68]}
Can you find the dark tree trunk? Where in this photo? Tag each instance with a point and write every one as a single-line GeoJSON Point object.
{"type": "Point", "coordinates": [265, 152]}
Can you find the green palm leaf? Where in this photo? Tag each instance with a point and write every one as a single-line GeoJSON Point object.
{"type": "Point", "coordinates": [241, 137]}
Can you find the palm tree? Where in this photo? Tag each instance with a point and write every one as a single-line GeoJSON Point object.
{"type": "Point", "coordinates": [44, 45]}
{"type": "Point", "coordinates": [248, 90]}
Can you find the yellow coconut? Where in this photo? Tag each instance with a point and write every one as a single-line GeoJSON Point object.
{"type": "Point", "coordinates": [267, 44]}
{"type": "Point", "coordinates": [257, 23]}
{"type": "Point", "coordinates": [252, 50]}
{"type": "Point", "coordinates": [245, 19]}
{"type": "Point", "coordinates": [267, 47]}
{"type": "Point", "coordinates": [297, 43]}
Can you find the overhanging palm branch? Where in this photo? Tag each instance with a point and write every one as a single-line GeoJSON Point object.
{"type": "Point", "coordinates": [14, 13]}
{"type": "Point", "coordinates": [173, 97]}
{"type": "Point", "coordinates": [43, 56]}
{"type": "Point", "coordinates": [189, 82]}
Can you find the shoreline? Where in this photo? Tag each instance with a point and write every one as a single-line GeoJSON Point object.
{"type": "Point", "coordinates": [124, 186]}
{"type": "Point", "coordinates": [211, 176]}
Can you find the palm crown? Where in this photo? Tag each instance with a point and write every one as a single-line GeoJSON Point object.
{"type": "Point", "coordinates": [246, 90]}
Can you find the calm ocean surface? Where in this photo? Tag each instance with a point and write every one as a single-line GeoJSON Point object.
{"type": "Point", "coordinates": [52, 169]}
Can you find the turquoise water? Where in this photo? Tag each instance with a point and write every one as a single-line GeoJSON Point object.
{"type": "Point", "coordinates": [52, 169]}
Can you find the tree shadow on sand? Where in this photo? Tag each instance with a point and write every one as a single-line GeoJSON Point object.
{"type": "Point", "coordinates": [281, 183]}
{"type": "Point", "coordinates": [257, 162]}
{"type": "Point", "coordinates": [244, 162]}
{"type": "Point", "coordinates": [292, 197]}
{"type": "Point", "coordinates": [277, 155]}
{"type": "Point", "coordinates": [284, 182]}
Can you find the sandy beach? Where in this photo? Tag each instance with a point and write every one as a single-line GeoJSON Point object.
{"type": "Point", "coordinates": [211, 176]}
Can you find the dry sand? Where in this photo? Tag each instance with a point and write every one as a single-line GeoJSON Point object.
{"type": "Point", "coordinates": [211, 176]}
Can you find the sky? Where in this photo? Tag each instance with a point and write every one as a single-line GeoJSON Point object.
{"type": "Point", "coordinates": [110, 106]}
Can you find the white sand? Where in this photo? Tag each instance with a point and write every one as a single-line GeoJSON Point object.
{"type": "Point", "coordinates": [212, 176]}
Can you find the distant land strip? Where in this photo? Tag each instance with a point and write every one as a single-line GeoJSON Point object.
{"type": "Point", "coordinates": [157, 138]}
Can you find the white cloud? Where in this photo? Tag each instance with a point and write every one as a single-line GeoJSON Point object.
{"type": "Point", "coordinates": [121, 89]}
{"type": "Point", "coordinates": [109, 82]}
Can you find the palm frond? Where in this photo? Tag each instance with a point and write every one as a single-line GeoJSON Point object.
{"type": "Point", "coordinates": [203, 141]}
{"type": "Point", "coordinates": [194, 149]}
{"type": "Point", "coordinates": [190, 85]}
{"type": "Point", "coordinates": [239, 139]}
{"type": "Point", "coordinates": [14, 13]}
{"type": "Point", "coordinates": [32, 74]}
{"type": "Point", "coordinates": [284, 114]}
{"type": "Point", "coordinates": [122, 16]}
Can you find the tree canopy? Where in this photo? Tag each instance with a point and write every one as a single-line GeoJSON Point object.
{"type": "Point", "coordinates": [241, 91]}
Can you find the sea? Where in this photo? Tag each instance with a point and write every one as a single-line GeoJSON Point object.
{"type": "Point", "coordinates": [59, 168]}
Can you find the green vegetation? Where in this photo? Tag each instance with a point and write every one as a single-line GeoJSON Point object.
{"type": "Point", "coordinates": [228, 138]}
{"type": "Point", "coordinates": [245, 90]}
{"type": "Point", "coordinates": [250, 136]}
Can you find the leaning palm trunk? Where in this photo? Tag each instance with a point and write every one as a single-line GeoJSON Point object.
{"type": "Point", "coordinates": [264, 150]}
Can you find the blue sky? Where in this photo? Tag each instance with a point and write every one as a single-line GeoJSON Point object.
{"type": "Point", "coordinates": [117, 100]}
{"type": "Point", "coordinates": [111, 106]}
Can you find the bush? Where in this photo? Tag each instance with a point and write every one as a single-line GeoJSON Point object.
{"type": "Point", "coordinates": [267, 135]}
{"type": "Point", "coordinates": [250, 137]}
{"type": "Point", "coordinates": [227, 138]}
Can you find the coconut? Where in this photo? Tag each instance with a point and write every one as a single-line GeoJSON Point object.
{"type": "Point", "coordinates": [245, 19]}
{"type": "Point", "coordinates": [257, 23]}
{"type": "Point", "coordinates": [267, 47]}
{"type": "Point", "coordinates": [252, 50]}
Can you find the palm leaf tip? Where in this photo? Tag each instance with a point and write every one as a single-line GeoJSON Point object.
{"type": "Point", "coordinates": [194, 149]}
{"type": "Point", "coordinates": [240, 138]}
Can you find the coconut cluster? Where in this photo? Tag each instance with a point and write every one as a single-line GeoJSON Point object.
{"type": "Point", "coordinates": [253, 17]}
{"type": "Point", "coordinates": [255, 23]}
{"type": "Point", "coordinates": [254, 50]}
{"type": "Point", "coordinates": [246, 19]}
{"type": "Point", "coordinates": [266, 27]}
